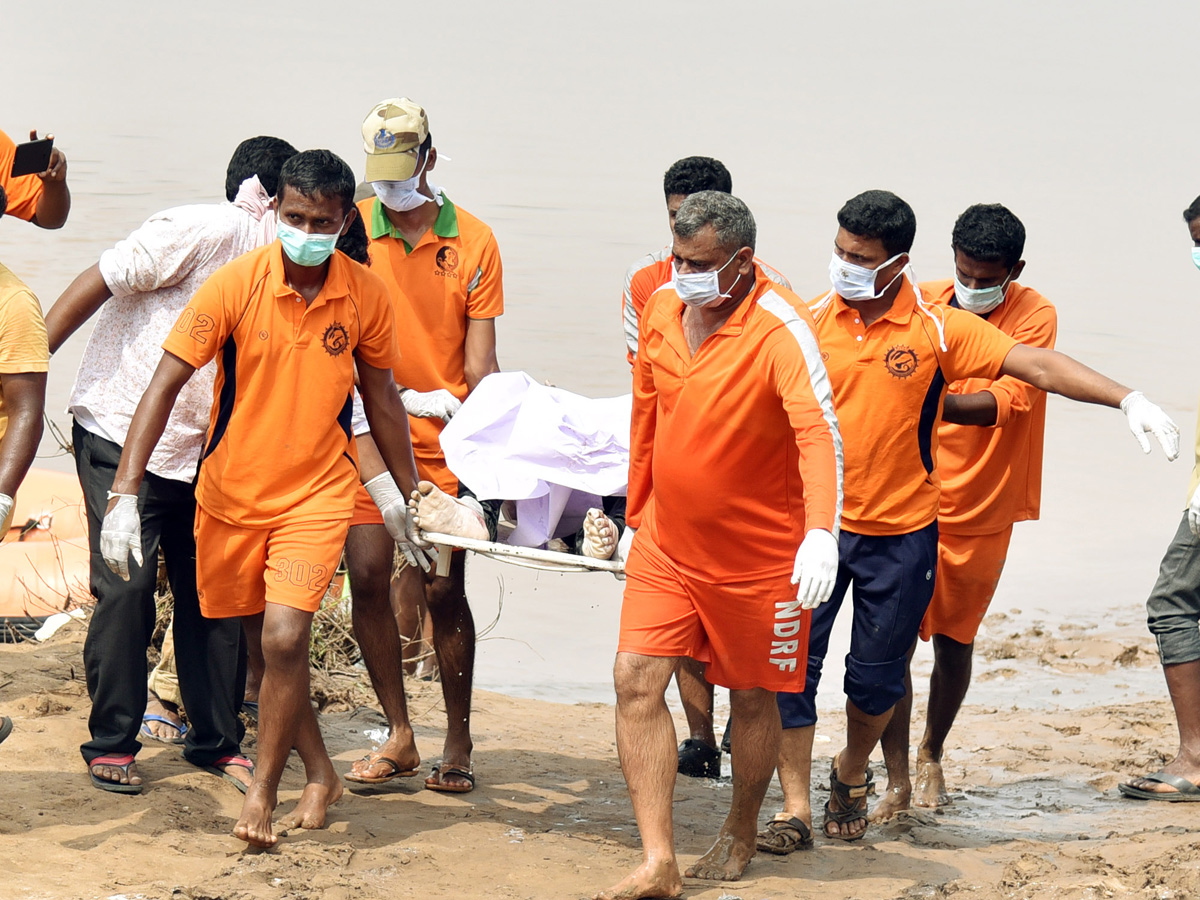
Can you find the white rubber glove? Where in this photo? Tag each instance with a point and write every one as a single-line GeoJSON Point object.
{"type": "Point", "coordinates": [439, 404]}
{"type": "Point", "coordinates": [6, 508]}
{"type": "Point", "coordinates": [1144, 416]}
{"type": "Point", "coordinates": [396, 518]}
{"type": "Point", "coordinates": [1194, 513]}
{"type": "Point", "coordinates": [121, 534]}
{"type": "Point", "coordinates": [816, 568]}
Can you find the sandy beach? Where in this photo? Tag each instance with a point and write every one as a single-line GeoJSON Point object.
{"type": "Point", "coordinates": [1034, 810]}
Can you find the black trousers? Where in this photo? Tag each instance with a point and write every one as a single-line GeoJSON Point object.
{"type": "Point", "coordinates": [210, 653]}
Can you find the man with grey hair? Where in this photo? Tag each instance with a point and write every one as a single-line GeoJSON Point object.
{"type": "Point", "coordinates": [728, 386]}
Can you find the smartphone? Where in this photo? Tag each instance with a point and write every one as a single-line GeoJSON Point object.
{"type": "Point", "coordinates": [32, 157]}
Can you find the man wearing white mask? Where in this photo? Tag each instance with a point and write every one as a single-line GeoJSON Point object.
{"type": "Point", "coordinates": [443, 272]}
{"type": "Point", "coordinates": [991, 477]}
{"type": "Point", "coordinates": [1173, 612]}
{"type": "Point", "coordinates": [890, 355]}
{"type": "Point", "coordinates": [735, 492]}
{"type": "Point", "coordinates": [140, 286]}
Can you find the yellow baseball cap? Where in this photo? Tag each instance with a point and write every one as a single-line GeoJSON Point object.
{"type": "Point", "coordinates": [392, 135]}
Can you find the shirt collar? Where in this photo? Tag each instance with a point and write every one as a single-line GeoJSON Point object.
{"type": "Point", "coordinates": [336, 279]}
{"type": "Point", "coordinates": [901, 309]}
{"type": "Point", "coordinates": [446, 224]}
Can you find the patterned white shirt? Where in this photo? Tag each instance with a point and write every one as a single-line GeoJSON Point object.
{"type": "Point", "coordinates": [152, 275]}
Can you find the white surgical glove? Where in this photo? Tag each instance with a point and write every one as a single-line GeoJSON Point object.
{"type": "Point", "coordinates": [6, 508]}
{"type": "Point", "coordinates": [396, 518]}
{"type": "Point", "coordinates": [1194, 513]}
{"type": "Point", "coordinates": [816, 568]}
{"type": "Point", "coordinates": [1144, 416]}
{"type": "Point", "coordinates": [121, 534]}
{"type": "Point", "coordinates": [439, 404]}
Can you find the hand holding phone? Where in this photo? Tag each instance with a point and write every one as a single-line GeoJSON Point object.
{"type": "Point", "coordinates": [39, 157]}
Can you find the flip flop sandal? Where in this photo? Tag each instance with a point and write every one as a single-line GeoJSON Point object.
{"type": "Point", "coordinates": [6, 728]}
{"type": "Point", "coordinates": [785, 835]}
{"type": "Point", "coordinates": [217, 768]}
{"type": "Point", "coordinates": [178, 726]}
{"type": "Point", "coordinates": [852, 805]}
{"type": "Point", "coordinates": [122, 762]}
{"type": "Point", "coordinates": [698, 760]}
{"type": "Point", "coordinates": [439, 785]}
{"type": "Point", "coordinates": [397, 771]}
{"type": "Point", "coordinates": [1185, 791]}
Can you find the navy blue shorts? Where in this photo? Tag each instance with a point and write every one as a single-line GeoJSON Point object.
{"type": "Point", "coordinates": [893, 578]}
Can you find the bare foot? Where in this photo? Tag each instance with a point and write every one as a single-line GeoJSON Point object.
{"type": "Point", "coordinates": [726, 860]}
{"type": "Point", "coordinates": [599, 535]}
{"type": "Point", "coordinates": [930, 789]}
{"type": "Point", "coordinates": [168, 731]}
{"type": "Point", "coordinates": [435, 510]}
{"type": "Point", "coordinates": [310, 812]}
{"type": "Point", "coordinates": [653, 878]}
{"type": "Point", "coordinates": [254, 824]}
{"type": "Point", "coordinates": [894, 800]}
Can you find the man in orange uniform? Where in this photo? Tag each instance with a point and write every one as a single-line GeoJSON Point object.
{"type": "Point", "coordinates": [43, 198]}
{"type": "Point", "coordinates": [442, 269]}
{"type": "Point", "coordinates": [289, 322]}
{"type": "Point", "coordinates": [730, 394]}
{"type": "Point", "coordinates": [991, 478]}
{"type": "Point", "coordinates": [699, 755]}
{"type": "Point", "coordinates": [890, 355]}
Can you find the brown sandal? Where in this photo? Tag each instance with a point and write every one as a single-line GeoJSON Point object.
{"type": "Point", "coordinates": [851, 804]}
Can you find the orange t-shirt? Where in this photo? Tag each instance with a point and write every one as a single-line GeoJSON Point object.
{"type": "Point", "coordinates": [888, 383]}
{"type": "Point", "coordinates": [734, 452]}
{"type": "Point", "coordinates": [992, 477]}
{"type": "Point", "coordinates": [24, 192]}
{"type": "Point", "coordinates": [279, 443]}
{"type": "Point", "coordinates": [453, 274]}
{"type": "Point", "coordinates": [646, 276]}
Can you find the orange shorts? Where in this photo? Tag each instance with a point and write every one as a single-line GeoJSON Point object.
{"type": "Point", "coordinates": [968, 570]}
{"type": "Point", "coordinates": [240, 570]}
{"type": "Point", "coordinates": [751, 634]}
{"type": "Point", "coordinates": [365, 510]}
{"type": "Point", "coordinates": [439, 473]}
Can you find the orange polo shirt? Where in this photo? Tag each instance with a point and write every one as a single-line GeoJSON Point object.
{"type": "Point", "coordinates": [279, 443]}
{"type": "Point", "coordinates": [888, 383]}
{"type": "Point", "coordinates": [24, 192]}
{"type": "Point", "coordinates": [992, 477]}
{"type": "Point", "coordinates": [452, 275]}
{"type": "Point", "coordinates": [734, 452]}
{"type": "Point", "coordinates": [646, 276]}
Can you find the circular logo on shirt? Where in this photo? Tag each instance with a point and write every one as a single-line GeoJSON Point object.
{"type": "Point", "coordinates": [336, 339]}
{"type": "Point", "coordinates": [447, 259]}
{"type": "Point", "coordinates": [262, 335]}
{"type": "Point", "coordinates": [901, 361]}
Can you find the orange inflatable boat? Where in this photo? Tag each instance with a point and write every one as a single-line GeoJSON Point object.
{"type": "Point", "coordinates": [44, 556]}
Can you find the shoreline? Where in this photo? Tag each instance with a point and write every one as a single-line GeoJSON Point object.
{"type": "Point", "coordinates": [1034, 811]}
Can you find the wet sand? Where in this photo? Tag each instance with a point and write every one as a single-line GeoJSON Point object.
{"type": "Point", "coordinates": [1034, 811]}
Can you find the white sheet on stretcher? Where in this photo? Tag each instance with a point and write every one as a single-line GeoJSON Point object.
{"type": "Point", "coordinates": [553, 452]}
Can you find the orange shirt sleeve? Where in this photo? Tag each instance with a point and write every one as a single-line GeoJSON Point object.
{"type": "Point", "coordinates": [377, 344]}
{"type": "Point", "coordinates": [24, 192]}
{"type": "Point", "coordinates": [974, 348]}
{"type": "Point", "coordinates": [808, 401]}
{"type": "Point", "coordinates": [1013, 396]}
{"type": "Point", "coordinates": [485, 291]}
{"type": "Point", "coordinates": [641, 435]}
{"type": "Point", "coordinates": [205, 323]}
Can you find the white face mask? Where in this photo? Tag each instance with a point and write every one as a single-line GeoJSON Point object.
{"type": "Point", "coordinates": [853, 282]}
{"type": "Point", "coordinates": [700, 288]}
{"type": "Point", "coordinates": [980, 301]}
{"type": "Point", "coordinates": [402, 196]}
{"type": "Point", "coordinates": [1196, 256]}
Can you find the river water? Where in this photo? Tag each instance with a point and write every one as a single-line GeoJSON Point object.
{"type": "Point", "coordinates": [559, 120]}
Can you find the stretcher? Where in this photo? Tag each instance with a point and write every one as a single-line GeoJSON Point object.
{"type": "Point", "coordinates": [529, 557]}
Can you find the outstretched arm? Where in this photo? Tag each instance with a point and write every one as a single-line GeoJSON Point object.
{"type": "Point", "coordinates": [389, 424]}
{"type": "Point", "coordinates": [24, 400]}
{"type": "Point", "coordinates": [149, 422]}
{"type": "Point", "coordinates": [1060, 374]}
{"type": "Point", "coordinates": [479, 351]}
